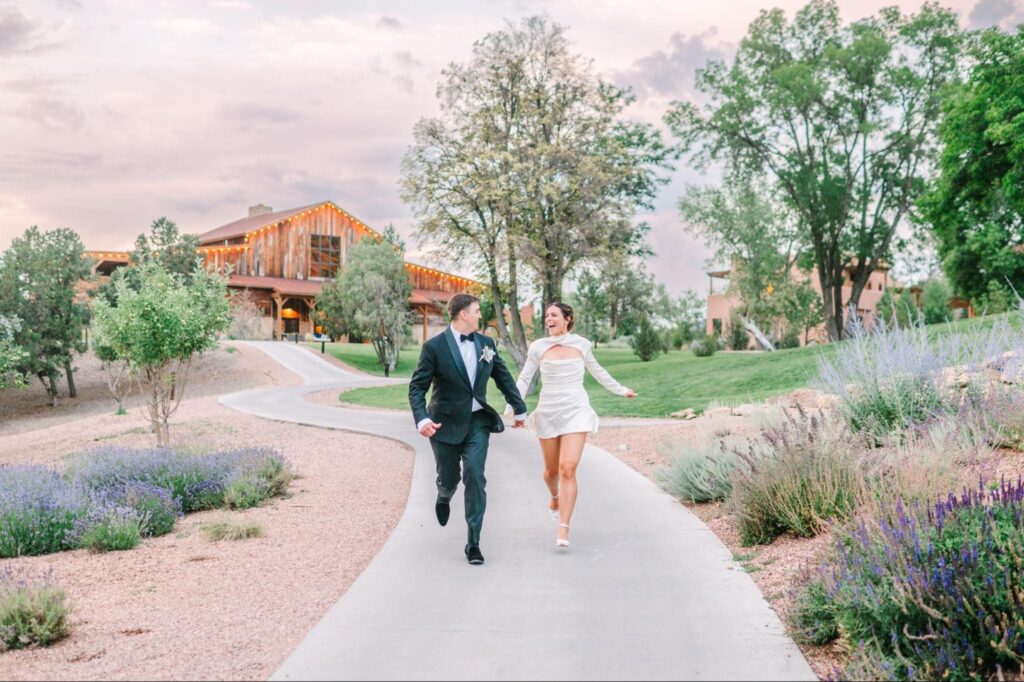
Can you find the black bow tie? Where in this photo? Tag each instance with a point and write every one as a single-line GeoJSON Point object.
{"type": "Point", "coordinates": [465, 337]}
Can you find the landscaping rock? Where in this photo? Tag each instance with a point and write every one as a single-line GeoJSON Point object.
{"type": "Point", "coordinates": [688, 413]}
{"type": "Point", "coordinates": [743, 410]}
{"type": "Point", "coordinates": [718, 412]}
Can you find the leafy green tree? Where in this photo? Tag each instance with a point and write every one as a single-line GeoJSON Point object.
{"type": "Point", "coordinates": [935, 301]}
{"type": "Point", "coordinates": [997, 299]}
{"type": "Point", "coordinates": [159, 329]}
{"type": "Point", "coordinates": [907, 313]}
{"type": "Point", "coordinates": [12, 356]}
{"type": "Point", "coordinates": [370, 298]}
{"type": "Point", "coordinates": [841, 119]}
{"type": "Point", "coordinates": [736, 335]}
{"type": "Point", "coordinates": [531, 166]}
{"type": "Point", "coordinates": [629, 291]}
{"type": "Point", "coordinates": [169, 246]}
{"type": "Point", "coordinates": [976, 204]}
{"type": "Point", "coordinates": [646, 342]}
{"type": "Point", "coordinates": [591, 306]}
{"type": "Point", "coordinates": [38, 276]}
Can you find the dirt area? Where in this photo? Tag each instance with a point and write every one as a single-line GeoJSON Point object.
{"type": "Point", "coordinates": [180, 606]}
{"type": "Point", "coordinates": [773, 568]}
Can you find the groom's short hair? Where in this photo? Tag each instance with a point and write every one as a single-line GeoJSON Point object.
{"type": "Point", "coordinates": [460, 302]}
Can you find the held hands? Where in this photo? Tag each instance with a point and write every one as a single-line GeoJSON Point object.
{"type": "Point", "coordinates": [518, 423]}
{"type": "Point", "coordinates": [430, 429]}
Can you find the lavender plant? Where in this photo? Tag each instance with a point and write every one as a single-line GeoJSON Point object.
{"type": "Point", "coordinates": [38, 510]}
{"type": "Point", "coordinates": [807, 476]}
{"type": "Point", "coordinates": [702, 474]}
{"type": "Point", "coordinates": [196, 482]}
{"type": "Point", "coordinates": [156, 507]}
{"type": "Point", "coordinates": [33, 612]}
{"type": "Point", "coordinates": [109, 527]}
{"type": "Point", "coordinates": [930, 592]}
{"type": "Point", "coordinates": [892, 378]}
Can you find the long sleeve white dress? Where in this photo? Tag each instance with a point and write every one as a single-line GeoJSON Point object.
{"type": "Point", "coordinates": [564, 406]}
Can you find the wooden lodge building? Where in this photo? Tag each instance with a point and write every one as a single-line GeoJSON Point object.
{"type": "Point", "coordinates": [284, 257]}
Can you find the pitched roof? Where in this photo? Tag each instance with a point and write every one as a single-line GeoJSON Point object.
{"type": "Point", "coordinates": [245, 225]}
{"type": "Point", "coordinates": [282, 285]}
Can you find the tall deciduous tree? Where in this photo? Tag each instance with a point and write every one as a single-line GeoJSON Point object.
{"type": "Point", "coordinates": [370, 298]}
{"type": "Point", "coordinates": [38, 276]}
{"type": "Point", "coordinates": [530, 165]}
{"type": "Point", "coordinates": [841, 118]}
{"type": "Point", "coordinates": [159, 329]}
{"type": "Point", "coordinates": [976, 205]}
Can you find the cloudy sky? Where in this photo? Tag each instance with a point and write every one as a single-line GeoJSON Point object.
{"type": "Point", "coordinates": [116, 112]}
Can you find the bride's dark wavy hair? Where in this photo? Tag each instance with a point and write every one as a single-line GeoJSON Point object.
{"type": "Point", "coordinates": [566, 310]}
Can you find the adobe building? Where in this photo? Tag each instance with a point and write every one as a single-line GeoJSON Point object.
{"type": "Point", "coordinates": [284, 258]}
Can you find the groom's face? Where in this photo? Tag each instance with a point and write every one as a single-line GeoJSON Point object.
{"type": "Point", "coordinates": [472, 316]}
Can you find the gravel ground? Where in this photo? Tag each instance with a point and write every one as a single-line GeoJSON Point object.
{"type": "Point", "coordinates": [179, 606]}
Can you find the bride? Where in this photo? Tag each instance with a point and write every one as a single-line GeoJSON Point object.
{"type": "Point", "coordinates": [563, 417]}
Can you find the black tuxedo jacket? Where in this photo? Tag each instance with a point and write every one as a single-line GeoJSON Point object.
{"type": "Point", "coordinates": [442, 369]}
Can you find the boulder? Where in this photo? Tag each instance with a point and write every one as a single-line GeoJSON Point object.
{"type": "Point", "coordinates": [743, 410]}
{"type": "Point", "coordinates": [688, 413]}
{"type": "Point", "coordinates": [718, 412]}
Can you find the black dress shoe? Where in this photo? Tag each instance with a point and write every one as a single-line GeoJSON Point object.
{"type": "Point", "coordinates": [473, 554]}
{"type": "Point", "coordinates": [443, 510]}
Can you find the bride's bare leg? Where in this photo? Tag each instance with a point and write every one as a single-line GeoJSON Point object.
{"type": "Point", "coordinates": [569, 453]}
{"type": "Point", "coordinates": [549, 448]}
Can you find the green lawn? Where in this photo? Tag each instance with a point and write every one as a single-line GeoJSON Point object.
{"type": "Point", "coordinates": [363, 357]}
{"type": "Point", "coordinates": [671, 382]}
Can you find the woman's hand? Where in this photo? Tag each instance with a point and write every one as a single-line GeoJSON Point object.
{"type": "Point", "coordinates": [630, 393]}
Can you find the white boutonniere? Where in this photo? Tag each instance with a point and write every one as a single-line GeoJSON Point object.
{"type": "Point", "coordinates": [487, 354]}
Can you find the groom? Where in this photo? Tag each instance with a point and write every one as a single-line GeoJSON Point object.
{"type": "Point", "coordinates": [458, 421]}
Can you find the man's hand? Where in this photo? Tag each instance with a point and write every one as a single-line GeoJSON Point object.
{"type": "Point", "coordinates": [430, 429]}
{"type": "Point", "coordinates": [518, 423]}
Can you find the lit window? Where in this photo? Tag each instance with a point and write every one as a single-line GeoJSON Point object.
{"type": "Point", "coordinates": [324, 256]}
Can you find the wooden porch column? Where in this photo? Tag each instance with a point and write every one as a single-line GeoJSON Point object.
{"type": "Point", "coordinates": [278, 320]}
{"type": "Point", "coordinates": [311, 306]}
{"type": "Point", "coordinates": [423, 312]}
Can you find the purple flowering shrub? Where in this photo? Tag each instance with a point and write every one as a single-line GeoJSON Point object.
{"type": "Point", "coordinates": [38, 510]}
{"type": "Point", "coordinates": [109, 527]}
{"type": "Point", "coordinates": [927, 592]}
{"type": "Point", "coordinates": [892, 378]}
{"type": "Point", "coordinates": [109, 498]}
{"type": "Point", "coordinates": [806, 477]}
{"type": "Point", "coordinates": [259, 475]}
{"type": "Point", "coordinates": [195, 482]}
{"type": "Point", "coordinates": [33, 612]}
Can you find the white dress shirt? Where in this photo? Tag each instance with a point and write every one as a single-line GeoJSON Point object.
{"type": "Point", "coordinates": [468, 350]}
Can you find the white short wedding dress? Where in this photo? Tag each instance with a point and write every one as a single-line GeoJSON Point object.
{"type": "Point", "coordinates": [564, 406]}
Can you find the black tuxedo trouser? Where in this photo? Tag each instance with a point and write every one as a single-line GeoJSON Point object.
{"type": "Point", "coordinates": [471, 454]}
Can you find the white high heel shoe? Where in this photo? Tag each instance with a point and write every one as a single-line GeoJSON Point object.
{"type": "Point", "coordinates": [559, 542]}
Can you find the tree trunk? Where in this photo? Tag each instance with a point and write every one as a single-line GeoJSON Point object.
{"type": "Point", "coordinates": [49, 382]}
{"type": "Point", "coordinates": [499, 313]}
{"type": "Point", "coordinates": [72, 391]}
{"type": "Point", "coordinates": [518, 332]}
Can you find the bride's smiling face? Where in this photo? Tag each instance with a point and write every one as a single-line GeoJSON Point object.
{"type": "Point", "coordinates": [555, 322]}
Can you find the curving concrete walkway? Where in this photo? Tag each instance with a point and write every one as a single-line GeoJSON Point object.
{"type": "Point", "coordinates": [646, 592]}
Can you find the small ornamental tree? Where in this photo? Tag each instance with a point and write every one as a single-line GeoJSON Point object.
{"type": "Point", "coordinates": [646, 342]}
{"type": "Point", "coordinates": [159, 329]}
{"type": "Point", "coordinates": [370, 298]}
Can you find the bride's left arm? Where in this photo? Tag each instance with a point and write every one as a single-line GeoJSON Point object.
{"type": "Point", "coordinates": [602, 375]}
